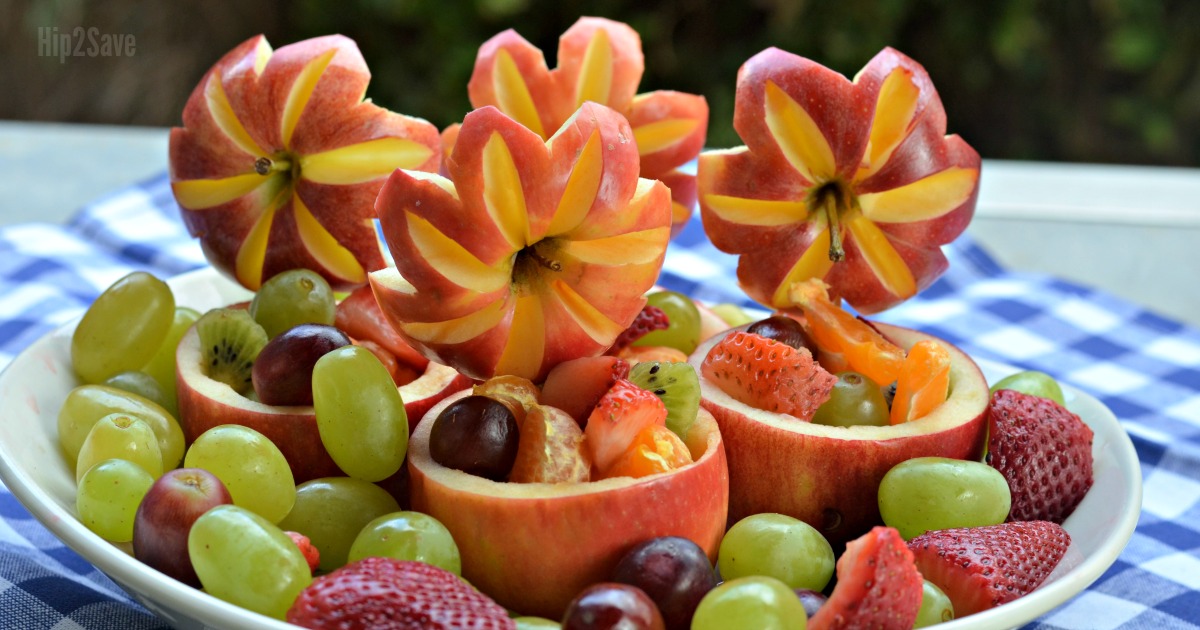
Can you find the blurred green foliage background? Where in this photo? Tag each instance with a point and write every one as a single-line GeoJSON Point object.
{"type": "Point", "coordinates": [1072, 80]}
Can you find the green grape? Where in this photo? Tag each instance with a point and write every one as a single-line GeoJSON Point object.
{"type": "Point", "coordinates": [162, 366]}
{"type": "Point", "coordinates": [533, 623]}
{"type": "Point", "coordinates": [108, 497]}
{"type": "Point", "coordinates": [855, 401]}
{"type": "Point", "coordinates": [759, 602]}
{"type": "Point", "coordinates": [930, 493]}
{"type": "Point", "coordinates": [777, 546]}
{"type": "Point", "coordinates": [251, 467]}
{"type": "Point", "coordinates": [123, 328]}
{"type": "Point", "coordinates": [360, 415]}
{"type": "Point", "coordinates": [1033, 383]}
{"type": "Point", "coordinates": [242, 558]}
{"type": "Point", "coordinates": [87, 404]}
{"type": "Point", "coordinates": [731, 314]}
{"type": "Point", "coordinates": [935, 607]}
{"type": "Point", "coordinates": [298, 296]}
{"type": "Point", "coordinates": [408, 536]}
{"type": "Point", "coordinates": [139, 383]}
{"type": "Point", "coordinates": [120, 436]}
{"type": "Point", "coordinates": [332, 511]}
{"type": "Point", "coordinates": [683, 330]}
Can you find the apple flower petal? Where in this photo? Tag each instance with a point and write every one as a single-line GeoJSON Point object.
{"type": "Point", "coordinates": [284, 138]}
{"type": "Point", "coordinates": [600, 61]}
{"type": "Point", "coordinates": [669, 127]}
{"type": "Point", "coordinates": [683, 197]}
{"type": "Point", "coordinates": [511, 75]}
{"type": "Point", "coordinates": [923, 199]}
{"type": "Point", "coordinates": [855, 183]}
{"type": "Point", "coordinates": [531, 252]}
{"type": "Point", "coordinates": [365, 161]}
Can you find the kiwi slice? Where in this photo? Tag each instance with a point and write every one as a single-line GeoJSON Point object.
{"type": "Point", "coordinates": [677, 385]}
{"type": "Point", "coordinates": [230, 340]}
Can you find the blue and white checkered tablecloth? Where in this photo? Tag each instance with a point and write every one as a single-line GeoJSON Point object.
{"type": "Point", "coordinates": [1144, 367]}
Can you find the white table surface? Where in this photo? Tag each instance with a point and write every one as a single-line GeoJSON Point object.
{"type": "Point", "coordinates": [1134, 231]}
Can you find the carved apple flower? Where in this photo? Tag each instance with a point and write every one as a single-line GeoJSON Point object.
{"type": "Point", "coordinates": [279, 161]}
{"type": "Point", "coordinates": [854, 182]}
{"type": "Point", "coordinates": [530, 252]}
{"type": "Point", "coordinates": [599, 60]}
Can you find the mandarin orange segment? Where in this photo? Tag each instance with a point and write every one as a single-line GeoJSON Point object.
{"type": "Point", "coordinates": [656, 449]}
{"type": "Point", "coordinates": [924, 382]}
{"type": "Point", "coordinates": [837, 331]}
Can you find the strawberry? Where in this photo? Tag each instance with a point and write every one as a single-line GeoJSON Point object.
{"type": "Point", "coordinates": [385, 593]}
{"type": "Point", "coordinates": [1045, 453]}
{"type": "Point", "coordinates": [878, 585]}
{"type": "Point", "coordinates": [650, 318]}
{"type": "Point", "coordinates": [983, 567]}
{"type": "Point", "coordinates": [575, 386]}
{"type": "Point", "coordinates": [769, 375]}
{"type": "Point", "coordinates": [623, 411]}
{"type": "Point", "coordinates": [359, 316]}
{"type": "Point", "coordinates": [311, 554]}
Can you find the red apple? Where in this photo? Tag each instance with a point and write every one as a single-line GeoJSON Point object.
{"type": "Point", "coordinates": [829, 476]}
{"type": "Point", "coordinates": [165, 516]}
{"type": "Point", "coordinates": [279, 161]}
{"type": "Point", "coordinates": [205, 403]}
{"type": "Point", "coordinates": [599, 60]}
{"type": "Point", "coordinates": [531, 253]}
{"type": "Point", "coordinates": [853, 182]}
{"type": "Point", "coordinates": [534, 546]}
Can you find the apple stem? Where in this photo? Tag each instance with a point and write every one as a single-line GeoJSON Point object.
{"type": "Point", "coordinates": [830, 206]}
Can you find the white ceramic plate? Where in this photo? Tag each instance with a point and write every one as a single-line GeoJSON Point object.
{"type": "Point", "coordinates": [34, 385]}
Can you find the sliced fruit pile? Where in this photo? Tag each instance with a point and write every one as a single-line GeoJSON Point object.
{"type": "Point", "coordinates": [636, 425]}
{"type": "Point", "coordinates": [828, 366]}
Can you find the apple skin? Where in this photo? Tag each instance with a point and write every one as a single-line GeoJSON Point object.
{"type": "Point", "coordinates": [237, 116]}
{"type": "Point", "coordinates": [534, 547]}
{"type": "Point", "coordinates": [165, 516]}
{"type": "Point", "coordinates": [205, 403]}
{"type": "Point", "coordinates": [829, 476]}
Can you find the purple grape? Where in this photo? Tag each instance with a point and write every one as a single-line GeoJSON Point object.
{"type": "Point", "coordinates": [477, 435]}
{"type": "Point", "coordinates": [812, 600]}
{"type": "Point", "coordinates": [612, 606]}
{"type": "Point", "coordinates": [786, 330]}
{"type": "Point", "coordinates": [282, 373]}
{"type": "Point", "coordinates": [674, 572]}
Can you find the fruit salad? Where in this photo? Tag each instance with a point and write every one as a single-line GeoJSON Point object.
{"type": "Point", "coordinates": [510, 425]}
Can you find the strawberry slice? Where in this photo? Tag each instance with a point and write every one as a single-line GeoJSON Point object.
{"type": "Point", "coordinates": [575, 386]}
{"type": "Point", "coordinates": [388, 593]}
{"type": "Point", "coordinates": [617, 420]}
{"type": "Point", "coordinates": [983, 567]}
{"type": "Point", "coordinates": [1043, 450]}
{"type": "Point", "coordinates": [769, 375]}
{"type": "Point", "coordinates": [649, 319]}
{"type": "Point", "coordinates": [360, 317]}
{"type": "Point", "coordinates": [311, 555]}
{"type": "Point", "coordinates": [878, 585]}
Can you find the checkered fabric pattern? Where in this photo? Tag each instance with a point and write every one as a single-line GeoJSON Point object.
{"type": "Point", "coordinates": [1142, 366]}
